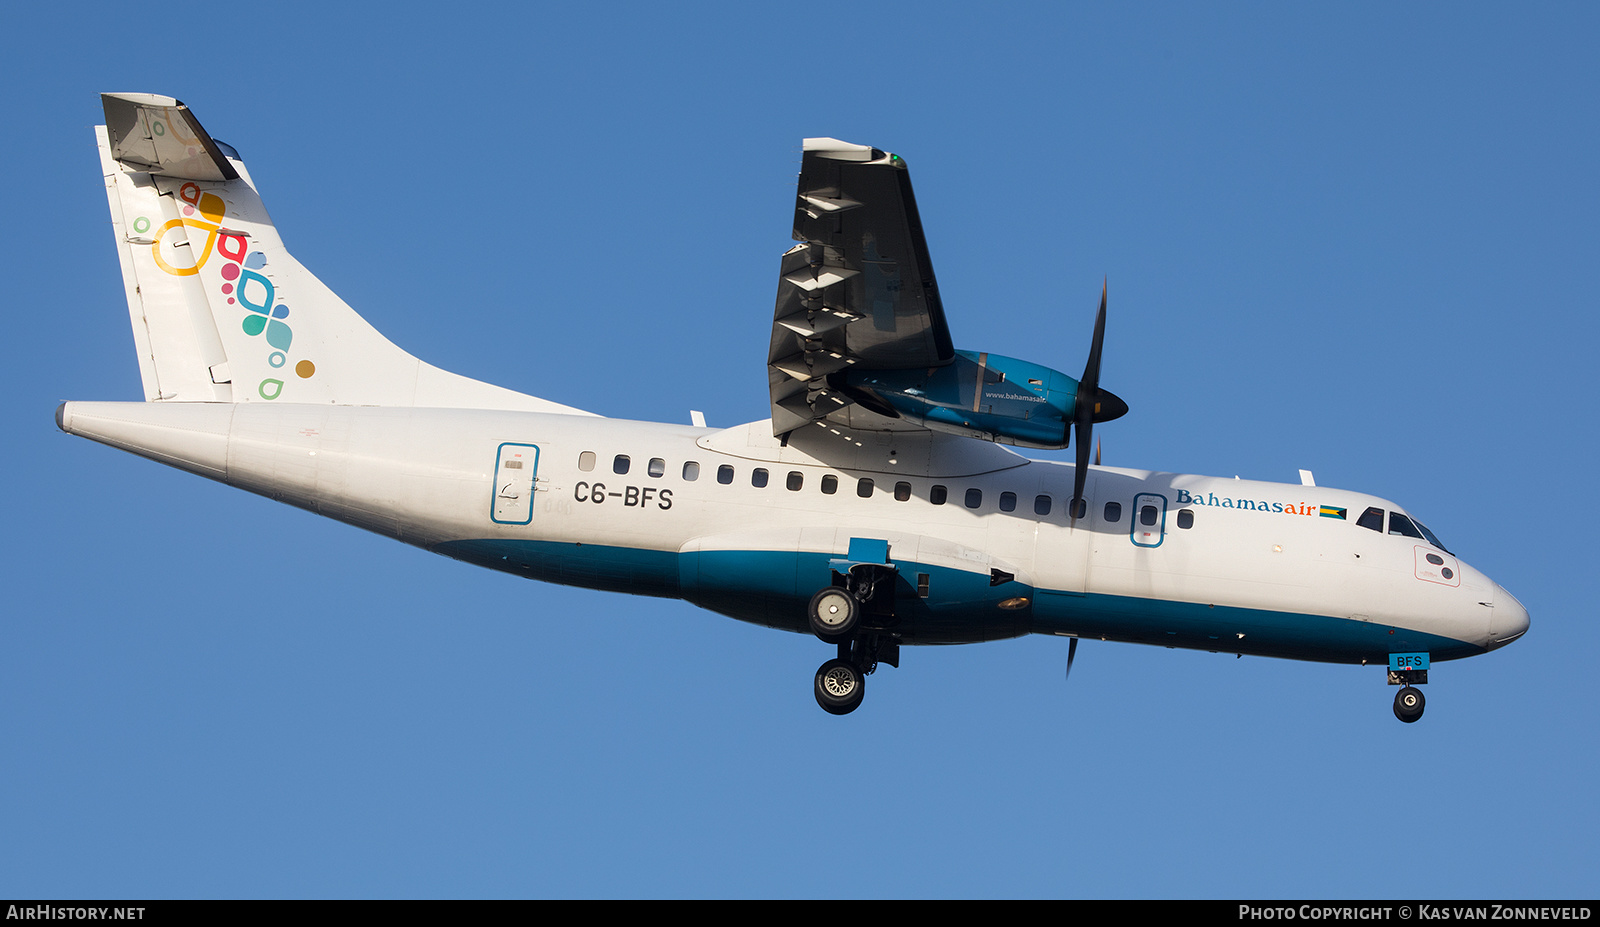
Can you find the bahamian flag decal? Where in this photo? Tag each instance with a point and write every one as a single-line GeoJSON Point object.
{"type": "Point", "coordinates": [1328, 511]}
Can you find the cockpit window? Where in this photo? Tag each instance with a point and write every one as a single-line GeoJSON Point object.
{"type": "Point", "coordinates": [1372, 518]}
{"type": "Point", "coordinates": [1399, 524]}
{"type": "Point", "coordinates": [1432, 538]}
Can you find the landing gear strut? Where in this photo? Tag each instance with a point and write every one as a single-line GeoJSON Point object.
{"type": "Point", "coordinates": [855, 612]}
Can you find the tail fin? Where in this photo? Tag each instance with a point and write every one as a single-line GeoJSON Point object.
{"type": "Point", "coordinates": [221, 312]}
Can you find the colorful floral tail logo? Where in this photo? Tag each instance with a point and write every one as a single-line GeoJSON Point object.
{"type": "Point", "coordinates": [243, 284]}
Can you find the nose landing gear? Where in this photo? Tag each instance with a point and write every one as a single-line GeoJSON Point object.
{"type": "Point", "coordinates": [1408, 704]}
{"type": "Point", "coordinates": [1408, 670]}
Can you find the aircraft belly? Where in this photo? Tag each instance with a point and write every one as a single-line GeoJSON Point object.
{"type": "Point", "coordinates": [594, 566]}
{"type": "Point", "coordinates": [1244, 593]}
{"type": "Point", "coordinates": [1235, 629]}
{"type": "Point", "coordinates": [765, 587]}
{"type": "Point", "coordinates": [772, 588]}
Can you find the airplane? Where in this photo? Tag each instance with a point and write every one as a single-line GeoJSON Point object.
{"type": "Point", "coordinates": [881, 504]}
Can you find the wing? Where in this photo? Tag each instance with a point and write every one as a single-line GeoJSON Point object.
{"type": "Point", "coordinates": [858, 291]}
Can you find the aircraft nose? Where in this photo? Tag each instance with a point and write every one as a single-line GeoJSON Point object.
{"type": "Point", "coordinates": [1509, 620]}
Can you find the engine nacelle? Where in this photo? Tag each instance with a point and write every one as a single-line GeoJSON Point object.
{"type": "Point", "coordinates": [988, 396]}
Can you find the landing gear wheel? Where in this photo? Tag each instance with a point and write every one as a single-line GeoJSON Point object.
{"type": "Point", "coordinates": [1408, 704]}
{"type": "Point", "coordinates": [840, 686]}
{"type": "Point", "coordinates": [834, 614]}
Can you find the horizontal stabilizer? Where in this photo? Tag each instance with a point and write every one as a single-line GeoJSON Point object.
{"type": "Point", "coordinates": [158, 135]}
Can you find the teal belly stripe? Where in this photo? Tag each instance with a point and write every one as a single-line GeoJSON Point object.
{"type": "Point", "coordinates": [772, 588]}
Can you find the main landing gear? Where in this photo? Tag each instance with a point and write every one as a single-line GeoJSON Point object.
{"type": "Point", "coordinates": [842, 682]}
{"type": "Point", "coordinates": [840, 687]}
{"type": "Point", "coordinates": [837, 613]}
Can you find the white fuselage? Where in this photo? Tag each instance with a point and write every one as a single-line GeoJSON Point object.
{"type": "Point", "coordinates": [981, 539]}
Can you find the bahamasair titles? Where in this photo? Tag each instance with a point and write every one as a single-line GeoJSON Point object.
{"type": "Point", "coordinates": [881, 505]}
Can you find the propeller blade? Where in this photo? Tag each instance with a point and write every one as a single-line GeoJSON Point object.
{"type": "Point", "coordinates": [1090, 406]}
{"type": "Point", "coordinates": [1081, 472]}
{"type": "Point", "coordinates": [1072, 654]}
{"type": "Point", "coordinates": [1091, 370]}
{"type": "Point", "coordinates": [1097, 447]}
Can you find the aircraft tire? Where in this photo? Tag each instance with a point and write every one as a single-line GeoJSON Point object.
{"type": "Point", "coordinates": [840, 686]}
{"type": "Point", "coordinates": [1408, 704]}
{"type": "Point", "coordinates": [834, 614]}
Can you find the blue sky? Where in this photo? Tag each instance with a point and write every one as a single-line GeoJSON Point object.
{"type": "Point", "coordinates": [1355, 238]}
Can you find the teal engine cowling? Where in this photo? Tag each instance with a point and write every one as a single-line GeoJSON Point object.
{"type": "Point", "coordinates": [980, 395]}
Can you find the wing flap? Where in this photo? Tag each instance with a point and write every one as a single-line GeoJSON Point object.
{"type": "Point", "coordinates": [859, 289]}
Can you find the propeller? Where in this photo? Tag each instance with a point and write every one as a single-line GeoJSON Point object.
{"type": "Point", "coordinates": [1072, 654]}
{"type": "Point", "coordinates": [1093, 405]}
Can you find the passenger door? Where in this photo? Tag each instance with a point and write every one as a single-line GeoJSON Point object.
{"type": "Point", "coordinates": [516, 468]}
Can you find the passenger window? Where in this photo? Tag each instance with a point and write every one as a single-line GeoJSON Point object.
{"type": "Point", "coordinates": [938, 494]}
{"type": "Point", "coordinates": [864, 487]}
{"type": "Point", "coordinates": [586, 461]}
{"type": "Point", "coordinates": [691, 471]}
{"type": "Point", "coordinates": [795, 480]}
{"type": "Point", "coordinates": [1008, 502]}
{"type": "Point", "coordinates": [1113, 511]}
{"type": "Point", "coordinates": [830, 485]}
{"type": "Point", "coordinates": [1041, 505]}
{"type": "Point", "coordinates": [902, 491]}
{"type": "Point", "coordinates": [1399, 524]}
{"type": "Point", "coordinates": [658, 467]}
{"type": "Point", "coordinates": [1372, 518]}
{"type": "Point", "coordinates": [724, 474]}
{"type": "Point", "coordinates": [1186, 518]}
{"type": "Point", "coordinates": [620, 464]}
{"type": "Point", "coordinates": [758, 477]}
{"type": "Point", "coordinates": [974, 498]}
{"type": "Point", "coordinates": [1147, 515]}
{"type": "Point", "coordinates": [1080, 508]}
